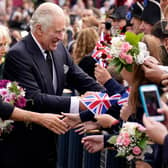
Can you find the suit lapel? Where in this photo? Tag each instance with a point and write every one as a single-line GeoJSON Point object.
{"type": "Point", "coordinates": [39, 60]}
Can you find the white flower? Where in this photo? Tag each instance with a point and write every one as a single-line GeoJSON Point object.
{"type": "Point", "coordinates": [9, 84]}
{"type": "Point", "coordinates": [143, 53]}
{"type": "Point", "coordinates": [116, 46]}
{"type": "Point", "coordinates": [130, 157]}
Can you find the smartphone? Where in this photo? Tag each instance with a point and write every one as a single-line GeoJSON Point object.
{"type": "Point", "coordinates": [150, 98]}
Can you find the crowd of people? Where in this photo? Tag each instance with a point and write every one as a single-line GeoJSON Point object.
{"type": "Point", "coordinates": [48, 45]}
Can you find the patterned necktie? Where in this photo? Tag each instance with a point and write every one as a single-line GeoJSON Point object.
{"type": "Point", "coordinates": [49, 63]}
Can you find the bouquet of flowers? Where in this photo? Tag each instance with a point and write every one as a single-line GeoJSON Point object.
{"type": "Point", "coordinates": [127, 50]}
{"type": "Point", "coordinates": [12, 93]}
{"type": "Point", "coordinates": [121, 51]}
{"type": "Point", "coordinates": [131, 142]}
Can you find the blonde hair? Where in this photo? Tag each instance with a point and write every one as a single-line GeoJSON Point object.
{"type": "Point", "coordinates": [4, 32]}
{"type": "Point", "coordinates": [85, 43]}
{"type": "Point", "coordinates": [138, 73]}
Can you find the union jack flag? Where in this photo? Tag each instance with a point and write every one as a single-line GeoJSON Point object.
{"type": "Point", "coordinates": [99, 102]}
{"type": "Point", "coordinates": [124, 98]}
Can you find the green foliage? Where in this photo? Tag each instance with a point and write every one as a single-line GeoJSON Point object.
{"type": "Point", "coordinates": [133, 39]}
{"type": "Point", "coordinates": [14, 88]}
{"type": "Point", "coordinates": [112, 139]}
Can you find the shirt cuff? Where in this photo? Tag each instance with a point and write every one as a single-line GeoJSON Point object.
{"type": "Point", "coordinates": [74, 105]}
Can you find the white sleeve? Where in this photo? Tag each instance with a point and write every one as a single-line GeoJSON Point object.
{"type": "Point", "coordinates": [74, 106]}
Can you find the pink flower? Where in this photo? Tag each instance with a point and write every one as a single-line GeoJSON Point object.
{"type": "Point", "coordinates": [129, 59]}
{"type": "Point", "coordinates": [126, 47]}
{"type": "Point", "coordinates": [7, 100]}
{"type": "Point", "coordinates": [21, 102]}
{"type": "Point", "coordinates": [123, 55]}
{"type": "Point", "coordinates": [3, 83]}
{"type": "Point", "coordinates": [3, 92]}
{"type": "Point", "coordinates": [119, 139]}
{"type": "Point", "coordinates": [136, 150]}
{"type": "Point", "coordinates": [126, 135]}
{"type": "Point", "coordinates": [127, 141]}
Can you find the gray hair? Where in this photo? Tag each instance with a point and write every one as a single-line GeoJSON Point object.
{"type": "Point", "coordinates": [44, 15]}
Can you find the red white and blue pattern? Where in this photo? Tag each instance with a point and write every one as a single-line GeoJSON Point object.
{"type": "Point", "coordinates": [101, 54]}
{"type": "Point", "coordinates": [99, 102]}
{"type": "Point", "coordinates": [124, 98]}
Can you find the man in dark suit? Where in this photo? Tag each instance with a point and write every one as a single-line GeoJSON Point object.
{"type": "Point", "coordinates": [26, 62]}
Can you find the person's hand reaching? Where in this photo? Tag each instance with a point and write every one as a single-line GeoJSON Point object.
{"type": "Point", "coordinates": [71, 119]}
{"type": "Point", "coordinates": [93, 143]}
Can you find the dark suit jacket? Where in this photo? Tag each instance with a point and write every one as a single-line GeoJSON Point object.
{"type": "Point", "coordinates": [26, 64]}
{"type": "Point", "coordinates": [87, 63]}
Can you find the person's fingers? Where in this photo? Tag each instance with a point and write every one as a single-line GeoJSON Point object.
{"type": "Point", "coordinates": [151, 60]}
{"type": "Point", "coordinates": [148, 64]}
{"type": "Point", "coordinates": [164, 76]}
{"type": "Point", "coordinates": [81, 129]}
{"type": "Point", "coordinates": [165, 82]}
{"type": "Point", "coordinates": [61, 126]}
{"type": "Point", "coordinates": [87, 138]}
{"type": "Point", "coordinates": [79, 125]}
{"type": "Point", "coordinates": [66, 114]}
{"type": "Point", "coordinates": [147, 122]}
{"type": "Point", "coordinates": [145, 68]}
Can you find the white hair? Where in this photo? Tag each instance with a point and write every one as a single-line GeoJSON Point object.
{"type": "Point", "coordinates": [45, 14]}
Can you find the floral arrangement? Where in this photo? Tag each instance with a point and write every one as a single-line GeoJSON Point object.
{"type": "Point", "coordinates": [122, 51]}
{"type": "Point", "coordinates": [131, 142]}
{"type": "Point", "coordinates": [12, 93]}
{"type": "Point", "coordinates": [127, 50]}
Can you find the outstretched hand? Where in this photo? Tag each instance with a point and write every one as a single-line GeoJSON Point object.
{"type": "Point", "coordinates": [53, 122]}
{"type": "Point", "coordinates": [106, 120]}
{"type": "Point", "coordinates": [152, 71]}
{"type": "Point", "coordinates": [71, 119]}
{"type": "Point", "coordinates": [86, 127]}
{"type": "Point", "coordinates": [93, 143]}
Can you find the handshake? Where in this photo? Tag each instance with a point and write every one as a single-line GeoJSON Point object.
{"type": "Point", "coordinates": [62, 123]}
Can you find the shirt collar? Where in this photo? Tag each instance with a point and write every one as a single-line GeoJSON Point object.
{"type": "Point", "coordinates": [38, 44]}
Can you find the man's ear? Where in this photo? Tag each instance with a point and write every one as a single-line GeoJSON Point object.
{"type": "Point", "coordinates": [39, 30]}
